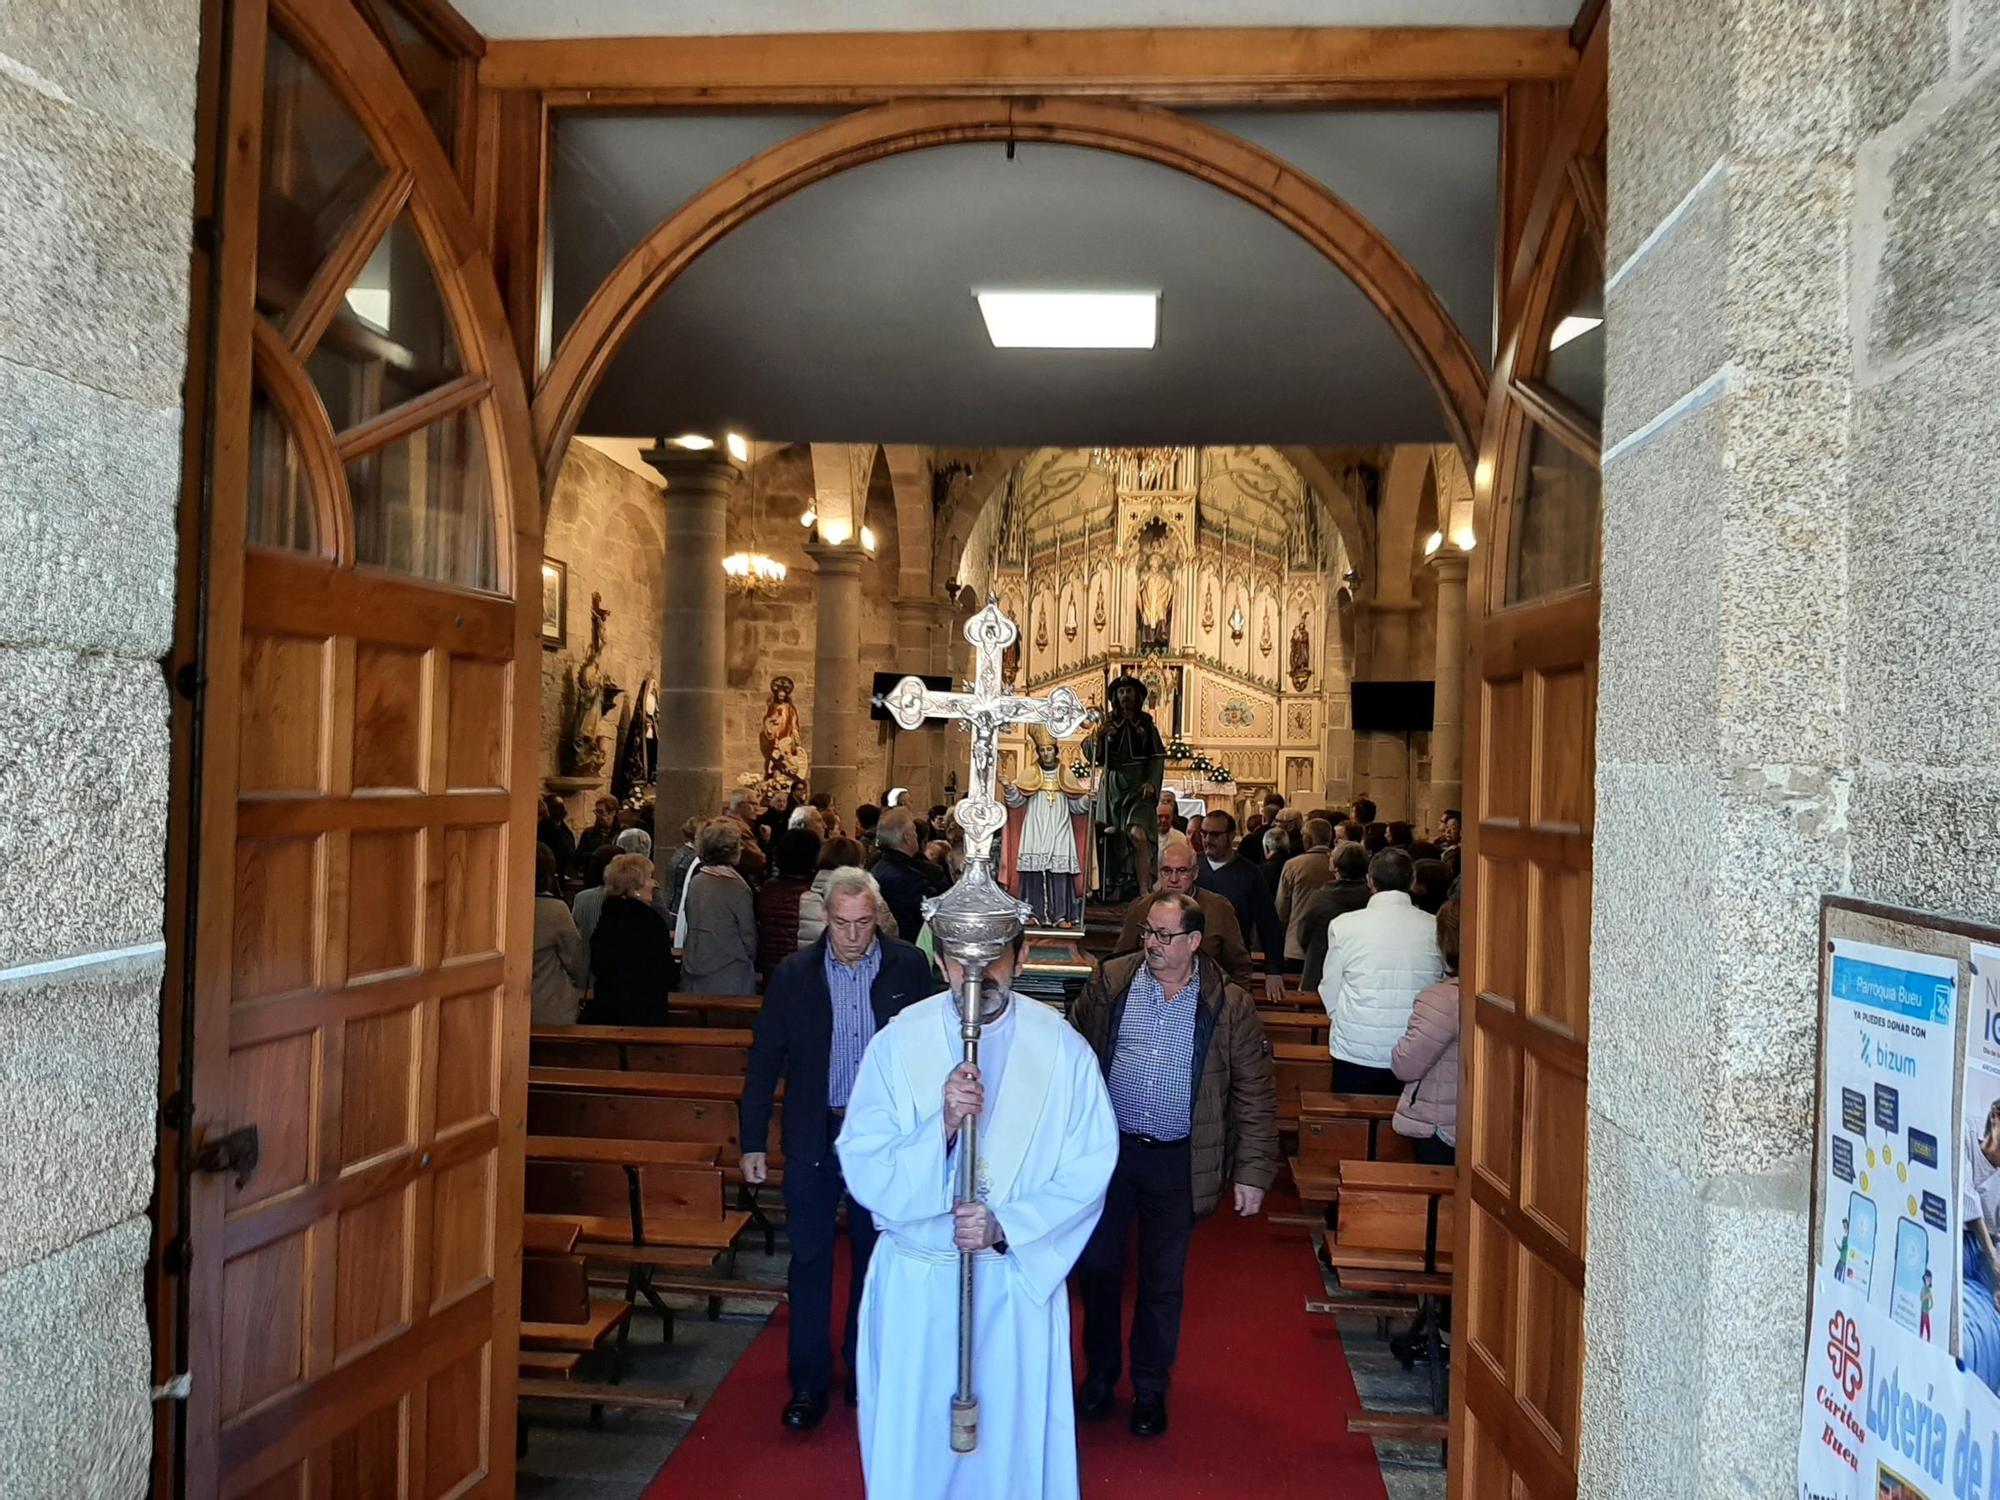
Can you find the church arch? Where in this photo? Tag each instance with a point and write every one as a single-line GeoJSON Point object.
{"type": "Point", "coordinates": [1308, 207]}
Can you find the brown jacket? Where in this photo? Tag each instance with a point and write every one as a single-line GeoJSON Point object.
{"type": "Point", "coordinates": [1235, 1126]}
{"type": "Point", "coordinates": [1221, 934]}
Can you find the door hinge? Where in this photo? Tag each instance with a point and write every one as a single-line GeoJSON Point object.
{"type": "Point", "coordinates": [235, 1152]}
{"type": "Point", "coordinates": [187, 681]}
{"type": "Point", "coordinates": [174, 1113]}
{"type": "Point", "coordinates": [174, 1256]}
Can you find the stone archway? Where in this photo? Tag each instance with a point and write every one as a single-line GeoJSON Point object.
{"type": "Point", "coordinates": [1214, 156]}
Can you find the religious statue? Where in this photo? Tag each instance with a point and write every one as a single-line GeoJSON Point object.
{"type": "Point", "coordinates": [1069, 620]}
{"type": "Point", "coordinates": [638, 751]}
{"type": "Point", "coordinates": [778, 738]}
{"type": "Point", "coordinates": [1044, 844]}
{"type": "Point", "coordinates": [588, 695]}
{"type": "Point", "coordinates": [1236, 621]}
{"type": "Point", "coordinates": [1010, 662]}
{"type": "Point", "coordinates": [1132, 762]}
{"type": "Point", "coordinates": [1301, 664]}
{"type": "Point", "coordinates": [1156, 603]}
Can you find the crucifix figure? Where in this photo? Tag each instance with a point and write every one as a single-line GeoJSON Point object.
{"type": "Point", "coordinates": [984, 712]}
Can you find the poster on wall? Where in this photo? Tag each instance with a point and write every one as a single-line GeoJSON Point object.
{"type": "Point", "coordinates": [1901, 1370]}
{"type": "Point", "coordinates": [1888, 1230]}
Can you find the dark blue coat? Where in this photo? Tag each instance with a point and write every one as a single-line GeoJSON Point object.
{"type": "Point", "coordinates": [794, 1036]}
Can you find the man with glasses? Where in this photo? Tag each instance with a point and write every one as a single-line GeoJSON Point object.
{"type": "Point", "coordinates": [1221, 938]}
{"type": "Point", "coordinates": [821, 1007]}
{"type": "Point", "coordinates": [1189, 1074]}
{"type": "Point", "coordinates": [1224, 871]}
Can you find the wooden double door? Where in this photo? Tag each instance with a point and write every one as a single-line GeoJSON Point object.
{"type": "Point", "coordinates": [347, 999]}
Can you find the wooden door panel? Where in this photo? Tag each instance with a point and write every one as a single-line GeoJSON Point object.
{"type": "Point", "coordinates": [378, 1093]}
{"type": "Point", "coordinates": [389, 704]}
{"type": "Point", "coordinates": [283, 745]}
{"type": "Point", "coordinates": [1532, 609]}
{"type": "Point", "coordinates": [278, 906]}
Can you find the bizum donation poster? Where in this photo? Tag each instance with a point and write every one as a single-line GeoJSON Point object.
{"type": "Point", "coordinates": [1891, 1227]}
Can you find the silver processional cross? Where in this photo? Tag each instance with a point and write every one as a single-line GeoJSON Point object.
{"type": "Point", "coordinates": [985, 711]}
{"type": "Point", "coordinates": [976, 920]}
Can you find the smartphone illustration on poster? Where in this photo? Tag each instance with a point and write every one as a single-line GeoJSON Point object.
{"type": "Point", "coordinates": [1907, 1292]}
{"type": "Point", "coordinates": [1855, 1263]}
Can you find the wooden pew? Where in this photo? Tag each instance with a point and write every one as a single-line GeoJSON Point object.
{"type": "Point", "coordinates": [1298, 1068]}
{"type": "Point", "coordinates": [1283, 1025]}
{"type": "Point", "coordinates": [716, 1010]}
{"type": "Point", "coordinates": [1394, 1247]}
{"type": "Point", "coordinates": [1337, 1128]}
{"type": "Point", "coordinates": [562, 1324]}
{"type": "Point", "coordinates": [660, 1049]}
{"type": "Point", "coordinates": [624, 1081]}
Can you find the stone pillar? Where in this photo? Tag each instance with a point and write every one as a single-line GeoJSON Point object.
{"type": "Point", "coordinates": [692, 628]}
{"type": "Point", "coordinates": [1448, 717]}
{"type": "Point", "coordinates": [838, 693]}
{"type": "Point", "coordinates": [915, 764]}
{"type": "Point", "coordinates": [1802, 355]}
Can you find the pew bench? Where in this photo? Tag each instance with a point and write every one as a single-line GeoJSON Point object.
{"type": "Point", "coordinates": [562, 1324]}
{"type": "Point", "coordinates": [1282, 1025]}
{"type": "Point", "coordinates": [1298, 1068]}
{"type": "Point", "coordinates": [716, 1010]}
{"type": "Point", "coordinates": [659, 1049]}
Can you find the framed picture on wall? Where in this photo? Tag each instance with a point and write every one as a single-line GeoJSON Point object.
{"type": "Point", "coordinates": [555, 603]}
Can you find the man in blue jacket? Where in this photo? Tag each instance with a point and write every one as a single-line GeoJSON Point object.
{"type": "Point", "coordinates": [1225, 871]}
{"type": "Point", "coordinates": [820, 1008]}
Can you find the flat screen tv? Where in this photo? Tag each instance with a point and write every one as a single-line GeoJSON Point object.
{"type": "Point", "coordinates": [1392, 707]}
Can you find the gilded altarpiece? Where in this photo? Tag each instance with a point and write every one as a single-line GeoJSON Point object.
{"type": "Point", "coordinates": [1209, 574]}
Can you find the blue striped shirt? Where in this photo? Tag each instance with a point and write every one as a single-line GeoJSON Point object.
{"type": "Point", "coordinates": [853, 1020]}
{"type": "Point", "coordinates": [1152, 1065]}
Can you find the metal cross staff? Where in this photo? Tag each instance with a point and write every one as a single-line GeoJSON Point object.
{"type": "Point", "coordinates": [975, 921]}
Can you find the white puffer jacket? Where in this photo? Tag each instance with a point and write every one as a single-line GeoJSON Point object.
{"type": "Point", "coordinates": [1377, 961]}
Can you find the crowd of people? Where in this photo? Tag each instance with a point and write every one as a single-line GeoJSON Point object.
{"type": "Point", "coordinates": [1161, 1105]}
{"type": "Point", "coordinates": [619, 930]}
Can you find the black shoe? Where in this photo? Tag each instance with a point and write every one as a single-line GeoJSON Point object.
{"type": "Point", "coordinates": [803, 1411]}
{"type": "Point", "coordinates": [1093, 1400]}
{"type": "Point", "coordinates": [852, 1391]}
{"type": "Point", "coordinates": [1149, 1416]}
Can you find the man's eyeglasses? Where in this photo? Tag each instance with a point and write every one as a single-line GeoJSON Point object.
{"type": "Point", "coordinates": [1162, 934]}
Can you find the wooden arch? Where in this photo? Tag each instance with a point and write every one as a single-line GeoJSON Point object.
{"type": "Point", "coordinates": [1214, 156]}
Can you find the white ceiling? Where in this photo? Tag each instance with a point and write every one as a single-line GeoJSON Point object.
{"type": "Point", "coordinates": [559, 18]}
{"type": "Point", "coordinates": [845, 314]}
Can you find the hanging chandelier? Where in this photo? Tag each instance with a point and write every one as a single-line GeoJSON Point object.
{"type": "Point", "coordinates": [753, 573]}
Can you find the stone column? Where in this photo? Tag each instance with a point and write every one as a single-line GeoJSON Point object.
{"type": "Point", "coordinates": [1448, 717]}
{"type": "Point", "coordinates": [838, 692]}
{"type": "Point", "coordinates": [915, 764]}
{"type": "Point", "coordinates": [692, 676]}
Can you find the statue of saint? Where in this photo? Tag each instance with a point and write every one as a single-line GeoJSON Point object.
{"type": "Point", "coordinates": [1156, 603]}
{"type": "Point", "coordinates": [1301, 662]}
{"type": "Point", "coordinates": [1132, 762]}
{"type": "Point", "coordinates": [784, 756]}
{"type": "Point", "coordinates": [1043, 848]}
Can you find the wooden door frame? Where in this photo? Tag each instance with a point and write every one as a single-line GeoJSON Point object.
{"type": "Point", "coordinates": [1497, 631]}
{"type": "Point", "coordinates": [206, 660]}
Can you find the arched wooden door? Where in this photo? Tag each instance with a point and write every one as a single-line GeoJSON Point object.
{"type": "Point", "coordinates": [360, 874]}
{"type": "Point", "coordinates": [1531, 717]}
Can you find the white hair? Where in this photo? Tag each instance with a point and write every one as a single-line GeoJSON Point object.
{"type": "Point", "coordinates": [851, 880]}
{"type": "Point", "coordinates": [636, 841]}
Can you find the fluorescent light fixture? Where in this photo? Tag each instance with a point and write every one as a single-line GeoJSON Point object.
{"type": "Point", "coordinates": [694, 442]}
{"type": "Point", "coordinates": [1572, 328]}
{"type": "Point", "coordinates": [1071, 320]}
{"type": "Point", "coordinates": [738, 448]}
{"type": "Point", "coordinates": [371, 305]}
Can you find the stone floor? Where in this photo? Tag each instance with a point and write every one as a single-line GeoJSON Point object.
{"type": "Point", "coordinates": [567, 1460]}
{"type": "Point", "coordinates": [1410, 1471]}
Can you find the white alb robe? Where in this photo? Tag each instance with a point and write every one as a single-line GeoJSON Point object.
{"type": "Point", "coordinates": [1047, 1144]}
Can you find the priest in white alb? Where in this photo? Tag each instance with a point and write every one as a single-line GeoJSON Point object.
{"type": "Point", "coordinates": [1047, 1143]}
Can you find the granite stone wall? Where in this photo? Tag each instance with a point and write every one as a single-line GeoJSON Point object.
{"type": "Point", "coordinates": [96, 188]}
{"type": "Point", "coordinates": [1801, 605]}
{"type": "Point", "coordinates": [605, 523]}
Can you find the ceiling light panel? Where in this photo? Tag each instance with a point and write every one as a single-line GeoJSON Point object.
{"type": "Point", "coordinates": [1071, 320]}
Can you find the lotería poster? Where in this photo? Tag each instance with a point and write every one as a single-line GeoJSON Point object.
{"type": "Point", "coordinates": [1890, 1232]}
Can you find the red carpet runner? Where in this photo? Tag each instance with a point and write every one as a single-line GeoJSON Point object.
{"type": "Point", "coordinates": [1259, 1404]}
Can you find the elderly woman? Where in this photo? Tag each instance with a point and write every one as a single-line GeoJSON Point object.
{"type": "Point", "coordinates": [631, 951]}
{"type": "Point", "coordinates": [719, 956]}
{"type": "Point", "coordinates": [562, 965]}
